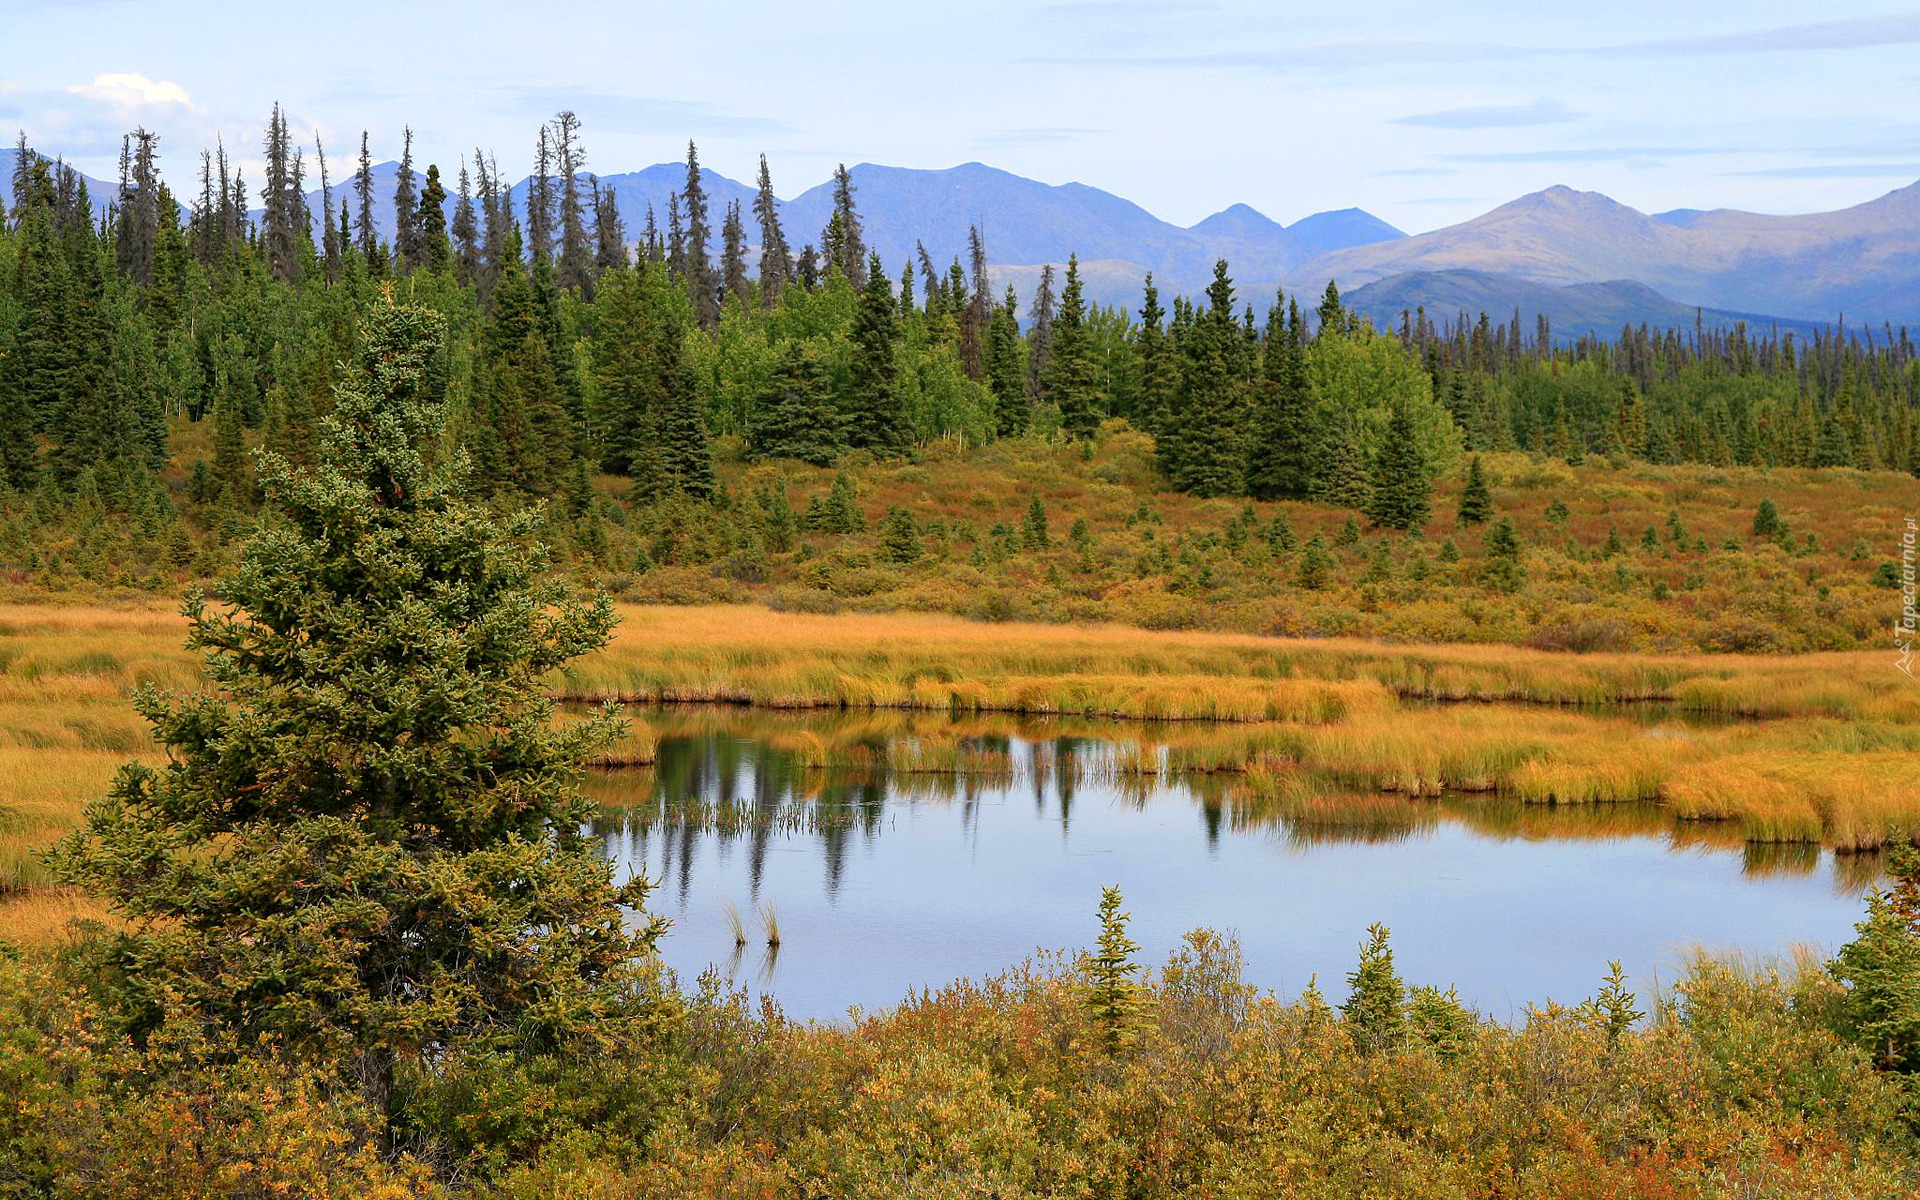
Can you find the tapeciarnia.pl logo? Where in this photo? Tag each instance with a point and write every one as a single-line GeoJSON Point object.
{"type": "Point", "coordinates": [1903, 629]}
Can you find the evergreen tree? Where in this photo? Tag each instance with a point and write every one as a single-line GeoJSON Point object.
{"type": "Point", "coordinates": [1115, 1000]}
{"type": "Point", "coordinates": [697, 268]}
{"type": "Point", "coordinates": [875, 419]}
{"type": "Point", "coordinates": [574, 271]}
{"type": "Point", "coordinates": [367, 236]}
{"type": "Point", "coordinates": [430, 225]}
{"type": "Point", "coordinates": [1343, 477]}
{"type": "Point", "coordinates": [1612, 1011]}
{"type": "Point", "coordinates": [1281, 448]}
{"type": "Point", "coordinates": [1315, 569]}
{"type": "Point", "coordinates": [846, 245]}
{"type": "Point", "coordinates": [1212, 453]}
{"type": "Point", "coordinates": [1157, 367]}
{"type": "Point", "coordinates": [1375, 1010]}
{"type": "Point", "coordinates": [1476, 501]}
{"type": "Point", "coordinates": [1006, 374]}
{"type": "Point", "coordinates": [899, 539]}
{"type": "Point", "coordinates": [368, 841]}
{"type": "Point", "coordinates": [794, 418]}
{"type": "Point", "coordinates": [1881, 969]}
{"type": "Point", "coordinates": [609, 230]}
{"type": "Point", "coordinates": [1070, 384]}
{"type": "Point", "coordinates": [733, 239]}
{"type": "Point", "coordinates": [776, 262]}
{"type": "Point", "coordinates": [1040, 334]}
{"type": "Point", "coordinates": [407, 250]}
{"type": "Point", "coordinates": [1033, 526]}
{"type": "Point", "coordinates": [1332, 313]}
{"type": "Point", "coordinates": [1766, 519]}
{"type": "Point", "coordinates": [1504, 569]}
{"type": "Point", "coordinates": [466, 233]}
{"type": "Point", "coordinates": [1402, 490]}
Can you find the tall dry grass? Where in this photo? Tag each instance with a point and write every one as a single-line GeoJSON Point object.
{"type": "Point", "coordinates": [1830, 760]}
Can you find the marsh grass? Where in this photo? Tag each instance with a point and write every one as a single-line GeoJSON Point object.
{"type": "Point", "coordinates": [933, 704]}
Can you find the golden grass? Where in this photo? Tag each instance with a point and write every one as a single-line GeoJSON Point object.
{"type": "Point", "coordinates": [756, 656]}
{"type": "Point", "coordinates": [933, 696]}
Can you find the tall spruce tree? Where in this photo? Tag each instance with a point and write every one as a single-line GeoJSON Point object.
{"type": "Point", "coordinates": [697, 268]}
{"type": "Point", "coordinates": [1006, 374]}
{"type": "Point", "coordinates": [1070, 384]}
{"type": "Point", "coordinates": [776, 261]}
{"type": "Point", "coordinates": [1402, 483]}
{"type": "Point", "coordinates": [430, 225]}
{"type": "Point", "coordinates": [793, 417]}
{"type": "Point", "coordinates": [407, 251]}
{"type": "Point", "coordinates": [368, 840]}
{"type": "Point", "coordinates": [1283, 438]}
{"type": "Point", "coordinates": [875, 419]}
{"type": "Point", "coordinates": [1212, 452]}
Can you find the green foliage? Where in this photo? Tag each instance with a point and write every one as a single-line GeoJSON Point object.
{"type": "Point", "coordinates": [1505, 568]}
{"type": "Point", "coordinates": [1402, 491]}
{"type": "Point", "coordinates": [1316, 565]}
{"type": "Point", "coordinates": [1033, 526]}
{"type": "Point", "coordinates": [1612, 1010]}
{"type": "Point", "coordinates": [1114, 998]}
{"type": "Point", "coordinates": [899, 539]}
{"type": "Point", "coordinates": [1375, 1010]}
{"type": "Point", "coordinates": [1476, 501]}
{"type": "Point", "coordinates": [1766, 519]}
{"type": "Point", "coordinates": [366, 845]}
{"type": "Point", "coordinates": [1881, 968]}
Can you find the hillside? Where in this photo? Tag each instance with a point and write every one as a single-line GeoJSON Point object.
{"type": "Point", "coordinates": [1858, 261]}
{"type": "Point", "coordinates": [1573, 310]}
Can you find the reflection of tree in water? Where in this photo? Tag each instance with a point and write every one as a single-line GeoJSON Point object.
{"type": "Point", "coordinates": [752, 778]}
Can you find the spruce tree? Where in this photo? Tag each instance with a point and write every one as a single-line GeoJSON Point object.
{"type": "Point", "coordinates": [1504, 569]}
{"type": "Point", "coordinates": [1115, 1000]}
{"type": "Point", "coordinates": [407, 251]}
{"type": "Point", "coordinates": [874, 417]}
{"type": "Point", "coordinates": [776, 261]}
{"type": "Point", "coordinates": [793, 418]}
{"type": "Point", "coordinates": [1157, 369]}
{"type": "Point", "coordinates": [899, 539]}
{"type": "Point", "coordinates": [367, 845]}
{"type": "Point", "coordinates": [1343, 477]}
{"type": "Point", "coordinates": [1375, 1010]}
{"type": "Point", "coordinates": [1402, 489]}
{"type": "Point", "coordinates": [430, 225]}
{"type": "Point", "coordinates": [1766, 519]}
{"type": "Point", "coordinates": [1006, 374]}
{"type": "Point", "coordinates": [1212, 453]}
{"type": "Point", "coordinates": [1881, 970]}
{"type": "Point", "coordinates": [1476, 501]}
{"type": "Point", "coordinates": [696, 267]}
{"type": "Point", "coordinates": [1069, 383]}
{"type": "Point", "coordinates": [1283, 438]}
{"type": "Point", "coordinates": [1033, 525]}
{"type": "Point", "coordinates": [1315, 570]}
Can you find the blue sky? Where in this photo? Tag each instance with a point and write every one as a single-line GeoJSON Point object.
{"type": "Point", "coordinates": [1423, 114]}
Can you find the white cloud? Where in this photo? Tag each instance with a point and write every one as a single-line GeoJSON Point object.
{"type": "Point", "coordinates": [132, 90]}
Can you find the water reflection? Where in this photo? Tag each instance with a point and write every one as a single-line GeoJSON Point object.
{"type": "Point", "coordinates": [904, 850]}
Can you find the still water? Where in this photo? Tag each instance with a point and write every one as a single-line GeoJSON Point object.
{"type": "Point", "coordinates": [886, 878]}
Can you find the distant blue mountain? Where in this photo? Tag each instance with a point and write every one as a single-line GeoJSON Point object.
{"type": "Point", "coordinates": [1573, 310]}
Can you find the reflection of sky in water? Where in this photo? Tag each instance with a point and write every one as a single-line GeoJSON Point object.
{"type": "Point", "coordinates": [885, 887]}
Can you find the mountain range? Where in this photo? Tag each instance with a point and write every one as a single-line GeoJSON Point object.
{"type": "Point", "coordinates": [1586, 261]}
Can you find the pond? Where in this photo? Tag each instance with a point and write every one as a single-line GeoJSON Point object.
{"type": "Point", "coordinates": [893, 862]}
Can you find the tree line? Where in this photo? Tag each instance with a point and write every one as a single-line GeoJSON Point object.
{"type": "Point", "coordinates": [577, 345]}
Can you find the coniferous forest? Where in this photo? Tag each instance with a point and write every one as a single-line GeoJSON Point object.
{"type": "Point", "coordinates": [323, 903]}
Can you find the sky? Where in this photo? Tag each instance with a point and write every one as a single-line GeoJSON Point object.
{"type": "Point", "coordinates": [1423, 114]}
